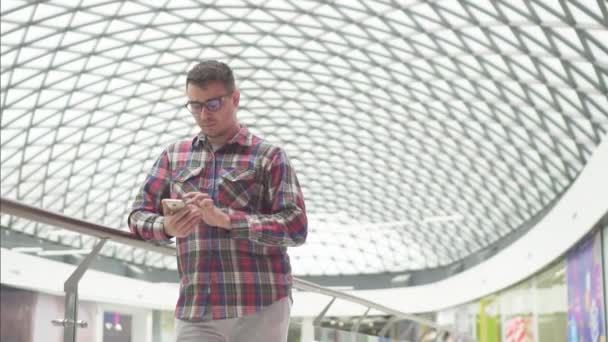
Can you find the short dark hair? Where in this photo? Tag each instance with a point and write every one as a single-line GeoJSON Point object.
{"type": "Point", "coordinates": [211, 71]}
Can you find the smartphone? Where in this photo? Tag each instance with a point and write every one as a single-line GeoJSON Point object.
{"type": "Point", "coordinates": [171, 206]}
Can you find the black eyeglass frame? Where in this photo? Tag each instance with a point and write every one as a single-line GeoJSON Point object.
{"type": "Point", "coordinates": [205, 105]}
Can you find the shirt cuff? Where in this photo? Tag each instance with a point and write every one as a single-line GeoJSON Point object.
{"type": "Point", "coordinates": [158, 229]}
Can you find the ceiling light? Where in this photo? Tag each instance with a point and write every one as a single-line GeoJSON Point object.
{"type": "Point", "coordinates": [135, 269]}
{"type": "Point", "coordinates": [60, 252]}
{"type": "Point", "coordinates": [341, 288]}
{"type": "Point", "coordinates": [59, 233]}
{"type": "Point", "coordinates": [391, 224]}
{"type": "Point", "coordinates": [443, 218]}
{"type": "Point", "coordinates": [26, 249]}
{"type": "Point", "coordinates": [456, 268]}
{"type": "Point", "coordinates": [401, 278]}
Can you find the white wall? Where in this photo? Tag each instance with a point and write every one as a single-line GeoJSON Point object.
{"type": "Point", "coordinates": [47, 308]}
{"type": "Point", "coordinates": [43, 275]}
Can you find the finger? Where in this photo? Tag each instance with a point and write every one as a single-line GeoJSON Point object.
{"type": "Point", "coordinates": [189, 215]}
{"type": "Point", "coordinates": [189, 226]}
{"type": "Point", "coordinates": [184, 224]}
{"type": "Point", "coordinates": [193, 223]}
{"type": "Point", "coordinates": [195, 197]}
{"type": "Point", "coordinates": [200, 199]}
{"type": "Point", "coordinates": [185, 230]}
{"type": "Point", "coordinates": [190, 200]}
{"type": "Point", "coordinates": [190, 194]}
{"type": "Point", "coordinates": [207, 204]}
{"type": "Point", "coordinates": [193, 214]}
{"type": "Point", "coordinates": [201, 196]}
{"type": "Point", "coordinates": [192, 208]}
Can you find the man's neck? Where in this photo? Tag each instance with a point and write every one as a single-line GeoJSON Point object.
{"type": "Point", "coordinates": [222, 140]}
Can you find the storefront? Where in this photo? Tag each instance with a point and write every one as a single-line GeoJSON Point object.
{"type": "Point", "coordinates": [565, 302]}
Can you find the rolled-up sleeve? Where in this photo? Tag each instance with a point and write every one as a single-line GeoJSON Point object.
{"type": "Point", "coordinates": [284, 222]}
{"type": "Point", "coordinates": [145, 219]}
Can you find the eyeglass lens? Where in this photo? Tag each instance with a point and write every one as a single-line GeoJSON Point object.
{"type": "Point", "coordinates": [212, 105]}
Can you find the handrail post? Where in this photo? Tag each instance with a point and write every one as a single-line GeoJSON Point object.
{"type": "Point", "coordinates": [439, 335]}
{"type": "Point", "coordinates": [319, 318]}
{"type": "Point", "coordinates": [355, 328]}
{"type": "Point", "coordinates": [70, 323]}
{"type": "Point", "coordinates": [387, 325]}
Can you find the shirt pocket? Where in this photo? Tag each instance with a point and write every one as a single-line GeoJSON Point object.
{"type": "Point", "coordinates": [184, 181]}
{"type": "Point", "coordinates": [239, 189]}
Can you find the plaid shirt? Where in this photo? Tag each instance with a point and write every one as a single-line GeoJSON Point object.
{"type": "Point", "coordinates": [230, 273]}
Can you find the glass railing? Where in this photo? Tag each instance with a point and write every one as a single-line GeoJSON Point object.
{"type": "Point", "coordinates": [320, 328]}
{"type": "Point", "coordinates": [323, 334]}
{"type": "Point", "coordinates": [300, 331]}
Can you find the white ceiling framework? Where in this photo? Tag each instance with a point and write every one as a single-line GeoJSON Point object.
{"type": "Point", "coordinates": [421, 131]}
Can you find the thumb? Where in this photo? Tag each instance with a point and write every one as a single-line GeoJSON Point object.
{"type": "Point", "coordinates": [207, 203]}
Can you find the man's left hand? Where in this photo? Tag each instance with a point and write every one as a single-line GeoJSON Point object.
{"type": "Point", "coordinates": [214, 216]}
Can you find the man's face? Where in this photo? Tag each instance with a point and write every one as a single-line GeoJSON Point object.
{"type": "Point", "coordinates": [217, 117]}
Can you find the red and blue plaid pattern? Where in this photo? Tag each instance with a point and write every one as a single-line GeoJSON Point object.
{"type": "Point", "coordinates": [233, 272]}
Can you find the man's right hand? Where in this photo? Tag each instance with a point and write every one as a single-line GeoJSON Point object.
{"type": "Point", "coordinates": [183, 222]}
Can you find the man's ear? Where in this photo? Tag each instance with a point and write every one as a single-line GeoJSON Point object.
{"type": "Point", "coordinates": [236, 97]}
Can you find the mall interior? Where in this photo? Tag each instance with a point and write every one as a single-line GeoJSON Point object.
{"type": "Point", "coordinates": [452, 154]}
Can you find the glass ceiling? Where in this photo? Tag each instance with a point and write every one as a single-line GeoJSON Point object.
{"type": "Point", "coordinates": [421, 131]}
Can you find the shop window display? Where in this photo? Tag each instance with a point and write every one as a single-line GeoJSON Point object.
{"type": "Point", "coordinates": [552, 303]}
{"type": "Point", "coordinates": [586, 314]}
{"type": "Point", "coordinates": [116, 327]}
{"type": "Point", "coordinates": [605, 255]}
{"type": "Point", "coordinates": [517, 307]}
{"type": "Point", "coordinates": [488, 320]}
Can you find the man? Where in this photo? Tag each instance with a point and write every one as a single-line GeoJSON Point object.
{"type": "Point", "coordinates": [244, 207]}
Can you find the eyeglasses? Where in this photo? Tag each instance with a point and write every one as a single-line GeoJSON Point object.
{"type": "Point", "coordinates": [211, 105]}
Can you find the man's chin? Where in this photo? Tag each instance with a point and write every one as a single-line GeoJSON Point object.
{"type": "Point", "coordinates": [208, 130]}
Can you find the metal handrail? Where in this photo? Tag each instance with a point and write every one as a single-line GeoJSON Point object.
{"type": "Point", "coordinates": [12, 207]}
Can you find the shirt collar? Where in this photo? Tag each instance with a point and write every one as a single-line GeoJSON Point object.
{"type": "Point", "coordinates": [242, 137]}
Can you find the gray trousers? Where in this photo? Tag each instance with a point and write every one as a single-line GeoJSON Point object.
{"type": "Point", "coordinates": [268, 325]}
